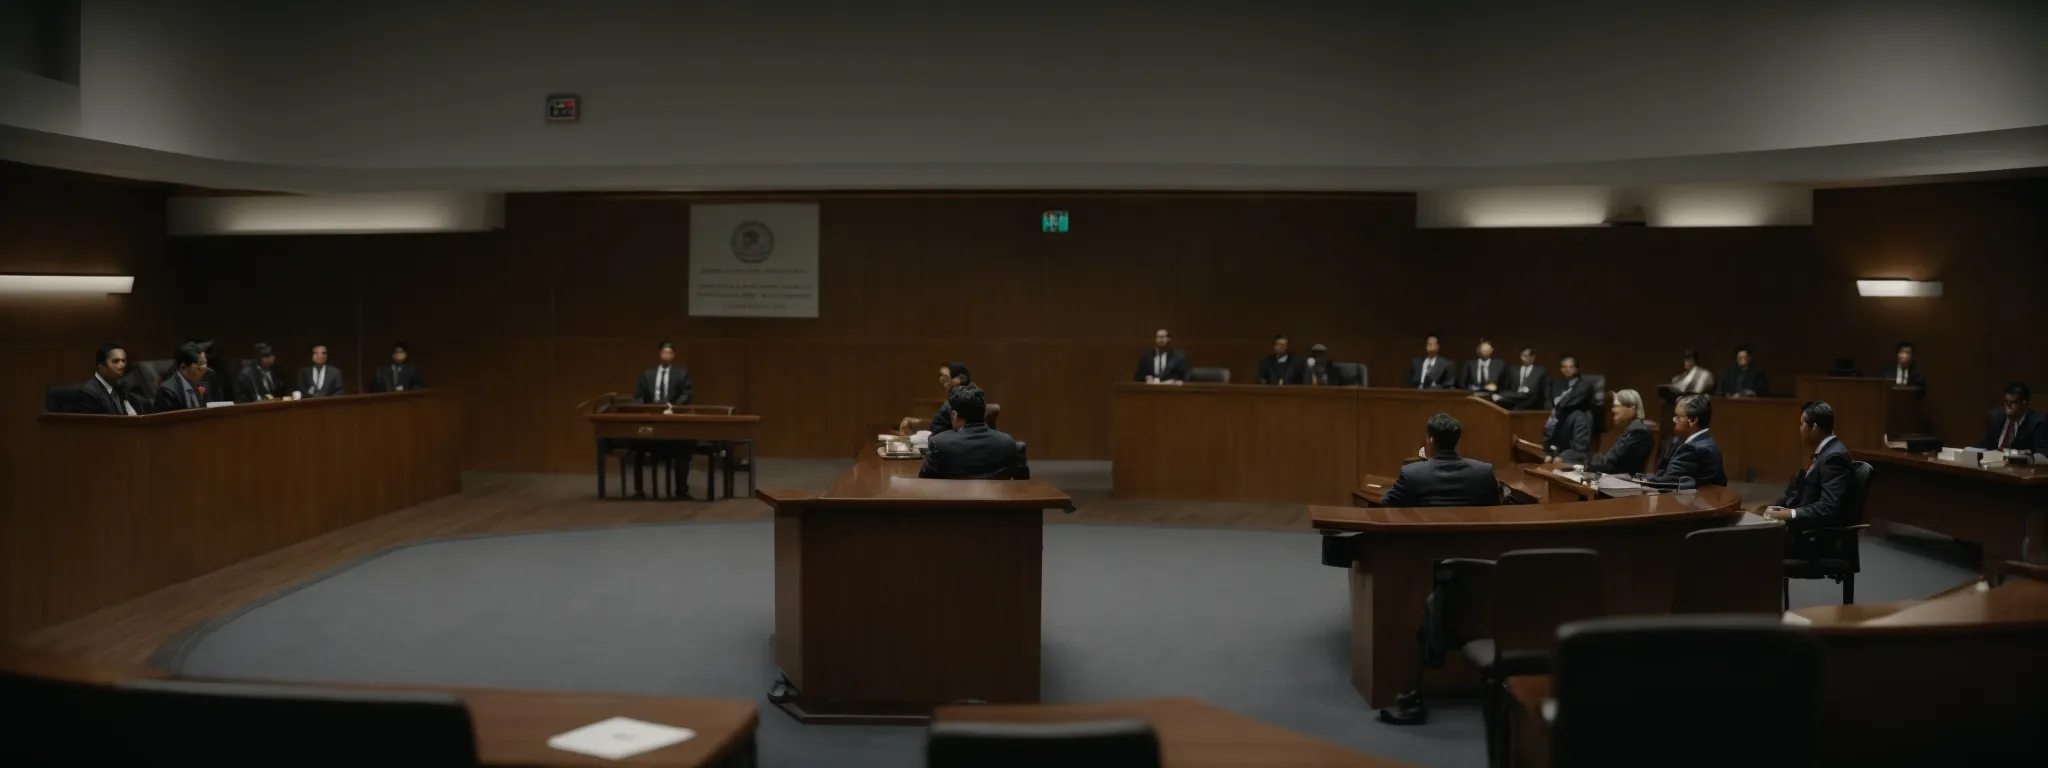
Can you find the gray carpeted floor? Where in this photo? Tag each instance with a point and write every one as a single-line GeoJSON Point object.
{"type": "Point", "coordinates": [1245, 619]}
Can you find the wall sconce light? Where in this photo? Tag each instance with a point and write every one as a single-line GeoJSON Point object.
{"type": "Point", "coordinates": [1915, 289]}
{"type": "Point", "coordinates": [65, 285]}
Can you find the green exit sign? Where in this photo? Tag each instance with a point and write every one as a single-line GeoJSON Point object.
{"type": "Point", "coordinates": [1052, 221]}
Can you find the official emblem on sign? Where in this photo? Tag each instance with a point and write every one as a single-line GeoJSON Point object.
{"type": "Point", "coordinates": [752, 242]}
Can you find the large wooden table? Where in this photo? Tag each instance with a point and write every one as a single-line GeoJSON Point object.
{"type": "Point", "coordinates": [895, 594]}
{"type": "Point", "coordinates": [511, 727]}
{"type": "Point", "coordinates": [1759, 436]}
{"type": "Point", "coordinates": [1311, 445]}
{"type": "Point", "coordinates": [2000, 509]}
{"type": "Point", "coordinates": [1638, 538]}
{"type": "Point", "coordinates": [1192, 733]}
{"type": "Point", "coordinates": [615, 424]}
{"type": "Point", "coordinates": [125, 505]}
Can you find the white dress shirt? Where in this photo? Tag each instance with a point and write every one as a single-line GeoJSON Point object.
{"type": "Point", "coordinates": [319, 377]}
{"type": "Point", "coordinates": [1422, 380]}
{"type": "Point", "coordinates": [130, 409]}
{"type": "Point", "coordinates": [1522, 382]}
{"type": "Point", "coordinates": [661, 384]}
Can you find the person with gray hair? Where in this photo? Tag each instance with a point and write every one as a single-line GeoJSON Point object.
{"type": "Point", "coordinates": [1630, 453]}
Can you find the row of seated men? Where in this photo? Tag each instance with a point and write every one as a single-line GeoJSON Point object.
{"type": "Point", "coordinates": [1521, 384]}
{"type": "Point", "coordinates": [190, 380]}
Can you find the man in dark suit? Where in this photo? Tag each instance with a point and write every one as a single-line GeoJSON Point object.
{"type": "Point", "coordinates": [105, 392]}
{"type": "Point", "coordinates": [321, 379]}
{"type": "Point", "coordinates": [1281, 367]}
{"type": "Point", "coordinates": [1319, 371]}
{"type": "Point", "coordinates": [1694, 454]}
{"type": "Point", "coordinates": [1446, 479]}
{"type": "Point", "coordinates": [1524, 386]}
{"type": "Point", "coordinates": [1743, 379]}
{"type": "Point", "coordinates": [664, 382]}
{"type": "Point", "coordinates": [1816, 498]}
{"type": "Point", "coordinates": [180, 391]}
{"type": "Point", "coordinates": [970, 450]}
{"type": "Point", "coordinates": [1483, 375]}
{"type": "Point", "coordinates": [260, 381]}
{"type": "Point", "coordinates": [396, 377]}
{"type": "Point", "coordinates": [2014, 426]}
{"type": "Point", "coordinates": [1905, 372]}
{"type": "Point", "coordinates": [1163, 364]}
{"type": "Point", "coordinates": [1568, 436]}
{"type": "Point", "coordinates": [1431, 371]}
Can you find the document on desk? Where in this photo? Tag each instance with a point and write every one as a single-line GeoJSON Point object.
{"type": "Point", "coordinates": [620, 738]}
{"type": "Point", "coordinates": [1618, 483]}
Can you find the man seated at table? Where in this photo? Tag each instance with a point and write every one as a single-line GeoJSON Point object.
{"type": "Point", "coordinates": [1281, 367]}
{"type": "Point", "coordinates": [1317, 371]}
{"type": "Point", "coordinates": [180, 390]}
{"type": "Point", "coordinates": [1164, 364]}
{"type": "Point", "coordinates": [1446, 479]}
{"type": "Point", "coordinates": [2014, 426]}
{"type": "Point", "coordinates": [1568, 436]}
{"type": "Point", "coordinates": [259, 381]}
{"type": "Point", "coordinates": [1525, 385]}
{"type": "Point", "coordinates": [398, 376]}
{"type": "Point", "coordinates": [971, 450]}
{"type": "Point", "coordinates": [1694, 454]}
{"type": "Point", "coordinates": [1743, 379]}
{"type": "Point", "coordinates": [1814, 499]}
{"type": "Point", "coordinates": [321, 379]}
{"type": "Point", "coordinates": [105, 392]}
{"type": "Point", "coordinates": [1432, 371]}
{"type": "Point", "coordinates": [1483, 376]}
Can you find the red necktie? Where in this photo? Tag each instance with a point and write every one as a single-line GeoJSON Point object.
{"type": "Point", "coordinates": [2006, 439]}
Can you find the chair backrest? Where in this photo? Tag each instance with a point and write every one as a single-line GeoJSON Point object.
{"type": "Point", "coordinates": [1209, 375]}
{"type": "Point", "coordinates": [1640, 690]}
{"type": "Point", "coordinates": [991, 414]}
{"type": "Point", "coordinates": [1859, 493]}
{"type": "Point", "coordinates": [1121, 743]}
{"type": "Point", "coordinates": [1599, 403]}
{"type": "Point", "coordinates": [1537, 590]}
{"type": "Point", "coordinates": [1459, 608]}
{"type": "Point", "coordinates": [1713, 572]}
{"type": "Point", "coordinates": [64, 398]}
{"type": "Point", "coordinates": [145, 375]}
{"type": "Point", "coordinates": [1354, 374]}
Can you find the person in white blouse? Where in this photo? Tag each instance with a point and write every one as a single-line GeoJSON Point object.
{"type": "Point", "coordinates": [1695, 379]}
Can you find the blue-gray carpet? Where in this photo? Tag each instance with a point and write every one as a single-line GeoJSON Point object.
{"type": "Point", "coordinates": [1247, 620]}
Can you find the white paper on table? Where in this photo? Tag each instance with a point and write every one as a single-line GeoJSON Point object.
{"type": "Point", "coordinates": [620, 738]}
{"type": "Point", "coordinates": [1796, 619]}
{"type": "Point", "coordinates": [1618, 483]}
{"type": "Point", "coordinates": [218, 403]}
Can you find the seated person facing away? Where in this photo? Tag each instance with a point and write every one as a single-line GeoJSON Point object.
{"type": "Point", "coordinates": [1280, 367]}
{"type": "Point", "coordinates": [970, 450]}
{"type": "Point", "coordinates": [1569, 435]}
{"type": "Point", "coordinates": [1694, 455]}
{"type": "Point", "coordinates": [1814, 499]}
{"type": "Point", "coordinates": [1631, 451]}
{"type": "Point", "coordinates": [1446, 479]}
{"type": "Point", "coordinates": [181, 390]}
{"type": "Point", "coordinates": [2014, 426]}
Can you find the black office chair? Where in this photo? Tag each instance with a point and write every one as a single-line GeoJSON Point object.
{"type": "Point", "coordinates": [1599, 407]}
{"type": "Point", "coordinates": [145, 375]}
{"type": "Point", "coordinates": [1832, 553]}
{"type": "Point", "coordinates": [1534, 592]}
{"type": "Point", "coordinates": [1455, 612]}
{"type": "Point", "coordinates": [1209, 375]}
{"type": "Point", "coordinates": [1637, 690]}
{"type": "Point", "coordinates": [1351, 374]}
{"type": "Point", "coordinates": [65, 398]}
{"type": "Point", "coordinates": [1119, 743]}
{"type": "Point", "coordinates": [1713, 576]}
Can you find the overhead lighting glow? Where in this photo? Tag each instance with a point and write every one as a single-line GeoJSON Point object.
{"type": "Point", "coordinates": [1915, 289]}
{"type": "Point", "coordinates": [1514, 207]}
{"type": "Point", "coordinates": [65, 285]}
{"type": "Point", "coordinates": [337, 214]}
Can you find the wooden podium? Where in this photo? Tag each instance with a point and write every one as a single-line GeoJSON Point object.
{"type": "Point", "coordinates": [895, 594]}
{"type": "Point", "coordinates": [1865, 409]}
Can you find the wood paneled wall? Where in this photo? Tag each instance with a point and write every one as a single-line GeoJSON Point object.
{"type": "Point", "coordinates": [569, 300]}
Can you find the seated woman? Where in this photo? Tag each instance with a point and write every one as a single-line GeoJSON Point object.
{"type": "Point", "coordinates": [1631, 451]}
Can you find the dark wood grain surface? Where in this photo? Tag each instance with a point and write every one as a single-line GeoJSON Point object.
{"type": "Point", "coordinates": [1192, 733]}
{"type": "Point", "coordinates": [1759, 438]}
{"type": "Point", "coordinates": [2001, 510]}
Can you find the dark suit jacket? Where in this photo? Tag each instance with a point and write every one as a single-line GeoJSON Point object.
{"type": "Point", "coordinates": [1443, 374]}
{"type": "Point", "coordinates": [1699, 459]}
{"type": "Point", "coordinates": [1496, 374]}
{"type": "Point", "coordinates": [2031, 433]}
{"type": "Point", "coordinates": [1326, 373]}
{"type": "Point", "coordinates": [332, 383]}
{"type": "Point", "coordinates": [1537, 397]}
{"type": "Point", "coordinates": [1816, 495]}
{"type": "Point", "coordinates": [1569, 395]}
{"type": "Point", "coordinates": [1571, 438]}
{"type": "Point", "coordinates": [1630, 454]}
{"type": "Point", "coordinates": [171, 396]}
{"type": "Point", "coordinates": [1448, 480]}
{"type": "Point", "coordinates": [1735, 381]}
{"type": "Point", "coordinates": [1176, 366]}
{"type": "Point", "coordinates": [249, 387]}
{"type": "Point", "coordinates": [93, 398]}
{"type": "Point", "coordinates": [678, 386]}
{"type": "Point", "coordinates": [408, 377]}
{"type": "Point", "coordinates": [943, 420]}
{"type": "Point", "coordinates": [974, 452]}
{"type": "Point", "coordinates": [1914, 378]}
{"type": "Point", "coordinates": [214, 391]}
{"type": "Point", "coordinates": [1272, 371]}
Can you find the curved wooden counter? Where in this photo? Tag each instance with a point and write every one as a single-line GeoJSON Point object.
{"type": "Point", "coordinates": [1638, 538]}
{"type": "Point", "coordinates": [2001, 509]}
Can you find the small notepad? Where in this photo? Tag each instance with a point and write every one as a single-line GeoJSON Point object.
{"type": "Point", "coordinates": [620, 738]}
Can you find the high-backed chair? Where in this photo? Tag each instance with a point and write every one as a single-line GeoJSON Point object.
{"type": "Point", "coordinates": [1351, 374]}
{"type": "Point", "coordinates": [145, 375]}
{"type": "Point", "coordinates": [64, 398]}
{"type": "Point", "coordinates": [1209, 375]}
{"type": "Point", "coordinates": [1599, 406]}
{"type": "Point", "coordinates": [993, 413]}
{"type": "Point", "coordinates": [1636, 690]}
{"type": "Point", "coordinates": [966, 744]}
{"type": "Point", "coordinates": [1708, 582]}
{"type": "Point", "coordinates": [1534, 592]}
{"type": "Point", "coordinates": [1833, 553]}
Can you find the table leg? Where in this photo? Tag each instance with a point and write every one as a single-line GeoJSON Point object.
{"type": "Point", "coordinates": [600, 468]}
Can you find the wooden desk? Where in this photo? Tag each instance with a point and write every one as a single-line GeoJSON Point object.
{"type": "Point", "coordinates": [1372, 489]}
{"type": "Point", "coordinates": [125, 505]}
{"type": "Point", "coordinates": [894, 594]}
{"type": "Point", "coordinates": [1759, 436]}
{"type": "Point", "coordinates": [1638, 539]}
{"type": "Point", "coordinates": [1999, 509]}
{"type": "Point", "coordinates": [1310, 445]}
{"type": "Point", "coordinates": [648, 422]}
{"type": "Point", "coordinates": [1192, 733]}
{"type": "Point", "coordinates": [512, 727]}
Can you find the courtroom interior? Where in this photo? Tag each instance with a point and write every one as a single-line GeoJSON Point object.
{"type": "Point", "coordinates": [1199, 383]}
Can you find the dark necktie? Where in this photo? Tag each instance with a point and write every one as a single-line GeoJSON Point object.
{"type": "Point", "coordinates": [2006, 439]}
